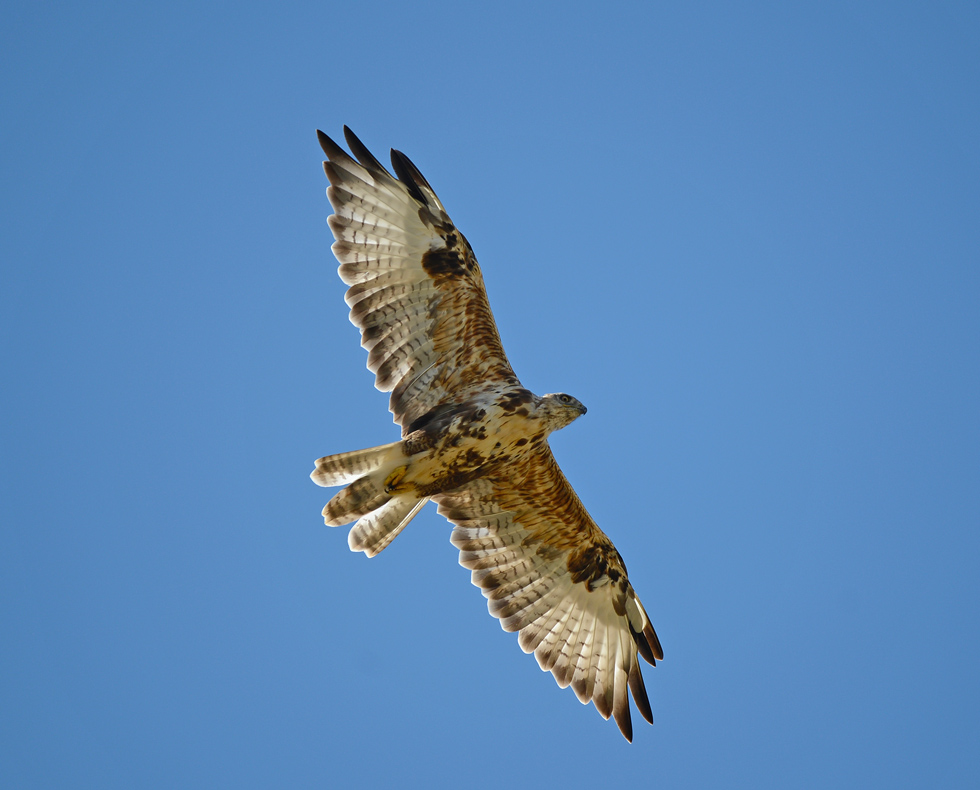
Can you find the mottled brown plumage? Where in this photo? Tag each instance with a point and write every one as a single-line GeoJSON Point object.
{"type": "Point", "coordinates": [473, 439]}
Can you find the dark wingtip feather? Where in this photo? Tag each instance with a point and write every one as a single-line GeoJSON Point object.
{"type": "Point", "coordinates": [330, 148]}
{"type": "Point", "coordinates": [625, 722]}
{"type": "Point", "coordinates": [409, 175]}
{"type": "Point", "coordinates": [653, 641]}
{"type": "Point", "coordinates": [364, 156]}
{"type": "Point", "coordinates": [643, 646]}
{"type": "Point", "coordinates": [639, 689]}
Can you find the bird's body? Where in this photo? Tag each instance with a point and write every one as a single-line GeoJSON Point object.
{"type": "Point", "coordinates": [473, 440]}
{"type": "Point", "coordinates": [458, 442]}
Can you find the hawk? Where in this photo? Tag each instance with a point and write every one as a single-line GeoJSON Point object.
{"type": "Point", "coordinates": [473, 440]}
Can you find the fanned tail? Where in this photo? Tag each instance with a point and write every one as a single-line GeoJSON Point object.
{"type": "Point", "coordinates": [381, 514]}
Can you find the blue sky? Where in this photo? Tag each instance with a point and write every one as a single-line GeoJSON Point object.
{"type": "Point", "coordinates": [746, 236]}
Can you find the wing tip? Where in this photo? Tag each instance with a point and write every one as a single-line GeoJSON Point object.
{"type": "Point", "coordinates": [330, 148]}
{"type": "Point", "coordinates": [653, 641]}
{"type": "Point", "coordinates": [647, 642]}
{"type": "Point", "coordinates": [639, 691]}
{"type": "Point", "coordinates": [363, 155]}
{"type": "Point", "coordinates": [407, 173]}
{"type": "Point", "coordinates": [410, 176]}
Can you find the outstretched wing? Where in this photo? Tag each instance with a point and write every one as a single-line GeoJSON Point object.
{"type": "Point", "coordinates": [550, 573]}
{"type": "Point", "coordinates": [416, 291]}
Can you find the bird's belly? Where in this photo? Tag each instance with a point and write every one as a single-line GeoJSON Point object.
{"type": "Point", "coordinates": [469, 450]}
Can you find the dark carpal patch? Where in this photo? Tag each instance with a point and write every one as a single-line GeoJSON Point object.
{"type": "Point", "coordinates": [589, 564]}
{"type": "Point", "coordinates": [443, 263]}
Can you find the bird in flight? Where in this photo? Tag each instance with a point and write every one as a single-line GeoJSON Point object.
{"type": "Point", "coordinates": [473, 440]}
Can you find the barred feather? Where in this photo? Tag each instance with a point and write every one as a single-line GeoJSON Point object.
{"type": "Point", "coordinates": [343, 468]}
{"type": "Point", "coordinates": [358, 499]}
{"type": "Point", "coordinates": [373, 532]}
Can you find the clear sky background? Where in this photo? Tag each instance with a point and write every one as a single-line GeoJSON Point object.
{"type": "Point", "coordinates": [746, 236]}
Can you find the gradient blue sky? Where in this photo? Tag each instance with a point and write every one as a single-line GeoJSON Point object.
{"type": "Point", "coordinates": [747, 236]}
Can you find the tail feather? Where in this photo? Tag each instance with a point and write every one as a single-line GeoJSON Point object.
{"type": "Point", "coordinates": [377, 529]}
{"type": "Point", "coordinates": [344, 468]}
{"type": "Point", "coordinates": [358, 499]}
{"type": "Point", "coordinates": [381, 512]}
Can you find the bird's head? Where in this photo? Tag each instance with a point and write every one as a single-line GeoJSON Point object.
{"type": "Point", "coordinates": [561, 409]}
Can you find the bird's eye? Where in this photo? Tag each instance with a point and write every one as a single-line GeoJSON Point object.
{"type": "Point", "coordinates": [564, 399]}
